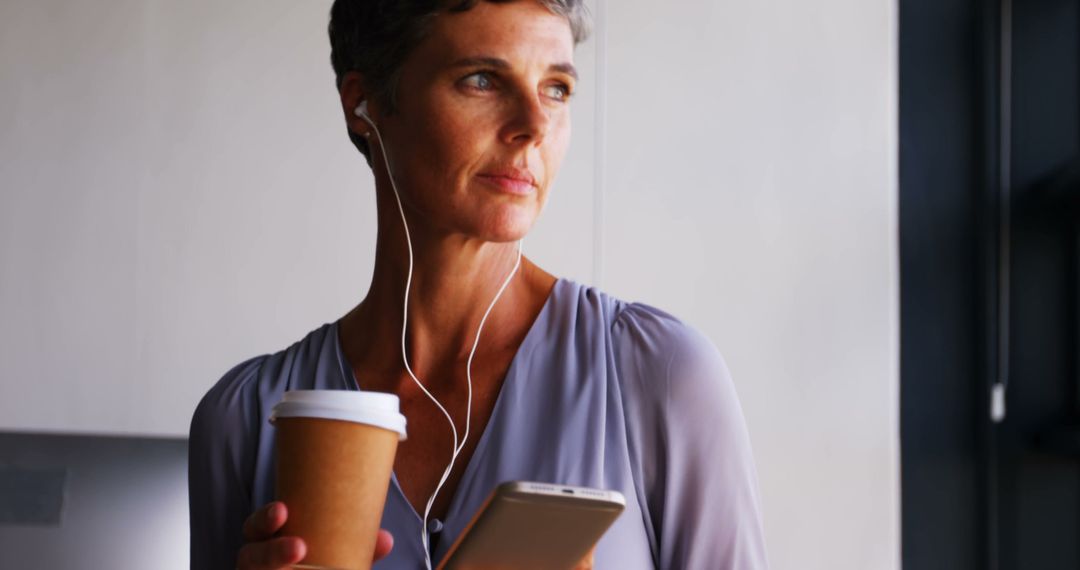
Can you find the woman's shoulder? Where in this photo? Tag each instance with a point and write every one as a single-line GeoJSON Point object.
{"type": "Point", "coordinates": [659, 360]}
{"type": "Point", "coordinates": [636, 327]}
{"type": "Point", "coordinates": [246, 391]}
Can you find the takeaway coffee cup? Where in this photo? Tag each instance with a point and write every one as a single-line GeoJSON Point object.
{"type": "Point", "coordinates": [335, 453]}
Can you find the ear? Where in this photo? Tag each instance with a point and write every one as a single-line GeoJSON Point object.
{"type": "Point", "coordinates": [352, 93]}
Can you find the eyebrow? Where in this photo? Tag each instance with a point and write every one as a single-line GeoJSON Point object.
{"type": "Point", "coordinates": [567, 68]}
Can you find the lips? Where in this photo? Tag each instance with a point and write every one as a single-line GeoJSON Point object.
{"type": "Point", "coordinates": [513, 180]}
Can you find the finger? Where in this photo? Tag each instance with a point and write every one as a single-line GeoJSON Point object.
{"type": "Point", "coordinates": [588, 561]}
{"type": "Point", "coordinates": [275, 554]}
{"type": "Point", "coordinates": [384, 543]}
{"type": "Point", "coordinates": [263, 523]}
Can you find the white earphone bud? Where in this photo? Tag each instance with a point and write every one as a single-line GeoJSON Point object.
{"type": "Point", "coordinates": [361, 111]}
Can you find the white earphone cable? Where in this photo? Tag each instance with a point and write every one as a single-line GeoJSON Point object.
{"type": "Point", "coordinates": [458, 446]}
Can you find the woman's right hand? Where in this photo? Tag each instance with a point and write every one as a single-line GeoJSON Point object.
{"type": "Point", "coordinates": [264, 551]}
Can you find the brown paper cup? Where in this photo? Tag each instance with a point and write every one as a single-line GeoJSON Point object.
{"type": "Point", "coordinates": [335, 454]}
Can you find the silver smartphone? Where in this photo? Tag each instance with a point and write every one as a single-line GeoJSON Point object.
{"type": "Point", "coordinates": [527, 526]}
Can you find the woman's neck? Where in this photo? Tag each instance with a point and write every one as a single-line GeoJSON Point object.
{"type": "Point", "coordinates": [453, 282]}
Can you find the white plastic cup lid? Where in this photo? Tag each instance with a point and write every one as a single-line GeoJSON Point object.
{"type": "Point", "coordinates": [372, 408]}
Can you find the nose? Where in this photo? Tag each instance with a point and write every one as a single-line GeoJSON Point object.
{"type": "Point", "coordinates": [531, 121]}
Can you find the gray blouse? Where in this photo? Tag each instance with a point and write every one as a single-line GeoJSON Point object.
{"type": "Point", "coordinates": [601, 393]}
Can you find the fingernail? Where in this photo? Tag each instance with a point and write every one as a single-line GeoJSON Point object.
{"type": "Point", "coordinates": [298, 549]}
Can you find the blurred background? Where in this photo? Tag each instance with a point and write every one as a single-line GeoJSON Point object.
{"type": "Point", "coordinates": [990, 283]}
{"type": "Point", "coordinates": [868, 205]}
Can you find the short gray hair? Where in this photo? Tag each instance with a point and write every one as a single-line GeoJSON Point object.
{"type": "Point", "coordinates": [374, 37]}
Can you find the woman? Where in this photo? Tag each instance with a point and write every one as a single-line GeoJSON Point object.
{"type": "Point", "coordinates": [467, 120]}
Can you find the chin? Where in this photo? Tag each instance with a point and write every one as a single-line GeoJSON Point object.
{"type": "Point", "coordinates": [508, 225]}
{"type": "Point", "coordinates": [503, 233]}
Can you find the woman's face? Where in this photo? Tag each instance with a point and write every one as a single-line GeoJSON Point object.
{"type": "Point", "coordinates": [482, 100]}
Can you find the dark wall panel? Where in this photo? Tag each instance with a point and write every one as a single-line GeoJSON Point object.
{"type": "Point", "coordinates": [939, 266]}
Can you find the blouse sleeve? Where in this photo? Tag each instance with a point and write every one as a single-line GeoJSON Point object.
{"type": "Point", "coordinates": [221, 458]}
{"type": "Point", "coordinates": [693, 459]}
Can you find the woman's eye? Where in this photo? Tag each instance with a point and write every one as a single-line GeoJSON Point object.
{"type": "Point", "coordinates": [480, 80]}
{"type": "Point", "coordinates": [560, 92]}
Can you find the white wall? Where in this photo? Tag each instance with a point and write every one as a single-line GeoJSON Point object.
{"type": "Point", "coordinates": [751, 189]}
{"type": "Point", "coordinates": [177, 193]}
